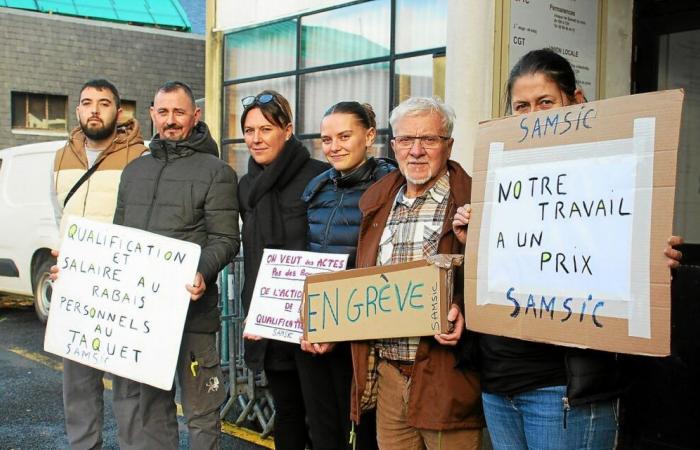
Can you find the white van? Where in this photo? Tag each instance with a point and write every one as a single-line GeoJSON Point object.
{"type": "Point", "coordinates": [28, 222]}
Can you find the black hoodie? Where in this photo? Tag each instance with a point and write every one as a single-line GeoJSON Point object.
{"type": "Point", "coordinates": [184, 191]}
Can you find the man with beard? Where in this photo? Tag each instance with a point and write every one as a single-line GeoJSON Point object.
{"type": "Point", "coordinates": [86, 180]}
{"type": "Point", "coordinates": [184, 191]}
{"type": "Point", "coordinates": [423, 397]}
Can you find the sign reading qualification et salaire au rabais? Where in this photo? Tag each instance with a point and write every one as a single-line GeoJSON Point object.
{"type": "Point", "coordinates": [120, 302]}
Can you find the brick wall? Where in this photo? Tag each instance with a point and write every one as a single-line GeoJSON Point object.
{"type": "Point", "coordinates": [42, 53]}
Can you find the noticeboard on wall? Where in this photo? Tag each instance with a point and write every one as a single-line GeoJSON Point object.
{"type": "Point", "coordinates": [569, 27]}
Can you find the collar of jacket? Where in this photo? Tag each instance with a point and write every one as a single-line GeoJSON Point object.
{"type": "Point", "coordinates": [363, 173]}
{"type": "Point", "coordinates": [376, 196]}
{"type": "Point", "coordinates": [199, 140]}
{"type": "Point", "coordinates": [128, 133]}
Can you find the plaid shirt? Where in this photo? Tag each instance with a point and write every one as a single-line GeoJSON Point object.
{"type": "Point", "coordinates": [412, 232]}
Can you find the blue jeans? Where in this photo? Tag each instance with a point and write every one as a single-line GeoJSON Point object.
{"type": "Point", "coordinates": [534, 420]}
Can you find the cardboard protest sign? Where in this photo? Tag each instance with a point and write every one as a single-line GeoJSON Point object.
{"type": "Point", "coordinates": [120, 302]}
{"type": "Point", "coordinates": [397, 300]}
{"type": "Point", "coordinates": [275, 309]}
{"type": "Point", "coordinates": [571, 211]}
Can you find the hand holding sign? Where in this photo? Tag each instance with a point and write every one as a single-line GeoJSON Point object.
{"type": "Point", "coordinates": [197, 289]}
{"type": "Point", "coordinates": [461, 221]}
{"type": "Point", "coordinates": [317, 348]}
{"type": "Point", "coordinates": [456, 319]}
{"type": "Point", "coordinates": [674, 256]}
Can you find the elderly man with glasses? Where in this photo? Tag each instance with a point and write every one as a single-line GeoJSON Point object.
{"type": "Point", "coordinates": [423, 398]}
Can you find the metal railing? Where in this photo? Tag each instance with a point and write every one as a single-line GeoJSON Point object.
{"type": "Point", "coordinates": [250, 402]}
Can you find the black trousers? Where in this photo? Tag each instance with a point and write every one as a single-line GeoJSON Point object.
{"type": "Point", "coordinates": [290, 425]}
{"type": "Point", "coordinates": [325, 384]}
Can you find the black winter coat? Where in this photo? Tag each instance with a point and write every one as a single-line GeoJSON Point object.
{"type": "Point", "coordinates": [510, 366]}
{"type": "Point", "coordinates": [274, 221]}
{"type": "Point", "coordinates": [184, 191]}
{"type": "Point", "coordinates": [333, 212]}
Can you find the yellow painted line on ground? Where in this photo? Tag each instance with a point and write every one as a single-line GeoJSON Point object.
{"type": "Point", "coordinates": [38, 358]}
{"type": "Point", "coordinates": [58, 366]}
{"type": "Point", "coordinates": [226, 427]}
{"type": "Point", "coordinates": [246, 435]}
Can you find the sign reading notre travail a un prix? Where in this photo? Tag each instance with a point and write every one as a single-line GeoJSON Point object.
{"type": "Point", "coordinates": [120, 302]}
{"type": "Point", "coordinates": [571, 211]}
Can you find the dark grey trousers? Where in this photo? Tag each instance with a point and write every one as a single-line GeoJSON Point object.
{"type": "Point", "coordinates": [83, 405]}
{"type": "Point", "coordinates": [150, 414]}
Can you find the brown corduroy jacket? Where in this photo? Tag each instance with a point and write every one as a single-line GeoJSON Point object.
{"type": "Point", "coordinates": [442, 397]}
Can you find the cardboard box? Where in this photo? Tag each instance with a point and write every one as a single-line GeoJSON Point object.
{"type": "Point", "coordinates": [398, 300]}
{"type": "Point", "coordinates": [571, 210]}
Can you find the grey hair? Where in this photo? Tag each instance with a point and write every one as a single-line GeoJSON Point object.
{"type": "Point", "coordinates": [418, 106]}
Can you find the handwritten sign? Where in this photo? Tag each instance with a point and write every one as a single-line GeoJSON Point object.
{"type": "Point", "coordinates": [571, 210]}
{"type": "Point", "coordinates": [120, 303]}
{"type": "Point", "coordinates": [275, 309]}
{"type": "Point", "coordinates": [397, 300]}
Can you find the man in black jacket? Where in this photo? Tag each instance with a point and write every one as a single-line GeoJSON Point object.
{"type": "Point", "coordinates": [184, 191]}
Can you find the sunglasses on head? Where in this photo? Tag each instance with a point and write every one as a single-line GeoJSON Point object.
{"type": "Point", "coordinates": [261, 99]}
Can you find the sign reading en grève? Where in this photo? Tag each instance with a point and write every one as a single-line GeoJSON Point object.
{"type": "Point", "coordinates": [397, 300]}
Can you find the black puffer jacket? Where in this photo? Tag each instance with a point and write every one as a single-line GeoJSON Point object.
{"type": "Point", "coordinates": [333, 212]}
{"type": "Point", "coordinates": [274, 216]}
{"type": "Point", "coordinates": [510, 366]}
{"type": "Point", "coordinates": [184, 191]}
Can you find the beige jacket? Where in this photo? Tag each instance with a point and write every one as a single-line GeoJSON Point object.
{"type": "Point", "coordinates": [97, 197]}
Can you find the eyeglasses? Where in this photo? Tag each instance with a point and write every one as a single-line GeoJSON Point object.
{"type": "Point", "coordinates": [261, 99]}
{"type": "Point", "coordinates": [406, 142]}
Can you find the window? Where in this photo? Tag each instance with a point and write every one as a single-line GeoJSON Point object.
{"type": "Point", "coordinates": [346, 34]}
{"type": "Point", "coordinates": [376, 51]}
{"type": "Point", "coordinates": [39, 112]}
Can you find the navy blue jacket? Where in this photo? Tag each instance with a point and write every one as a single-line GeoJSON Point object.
{"type": "Point", "coordinates": [333, 213]}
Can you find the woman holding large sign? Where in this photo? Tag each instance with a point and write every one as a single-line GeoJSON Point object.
{"type": "Point", "coordinates": [541, 395]}
{"type": "Point", "coordinates": [274, 216]}
{"type": "Point", "coordinates": [348, 131]}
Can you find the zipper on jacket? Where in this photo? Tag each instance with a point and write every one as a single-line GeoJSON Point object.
{"type": "Point", "coordinates": [87, 191]}
{"type": "Point", "coordinates": [353, 436]}
{"type": "Point", "coordinates": [155, 191]}
{"type": "Point", "coordinates": [565, 398]}
{"type": "Point", "coordinates": [330, 218]}
{"type": "Point", "coordinates": [567, 407]}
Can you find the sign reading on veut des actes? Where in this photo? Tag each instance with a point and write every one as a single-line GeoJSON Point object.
{"type": "Point", "coordinates": [276, 302]}
{"type": "Point", "coordinates": [571, 211]}
{"type": "Point", "coordinates": [120, 302]}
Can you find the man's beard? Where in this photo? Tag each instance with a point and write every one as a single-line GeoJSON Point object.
{"type": "Point", "coordinates": [97, 134]}
{"type": "Point", "coordinates": [420, 181]}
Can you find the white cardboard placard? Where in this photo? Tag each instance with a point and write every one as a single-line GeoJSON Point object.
{"type": "Point", "coordinates": [275, 309]}
{"type": "Point", "coordinates": [120, 302]}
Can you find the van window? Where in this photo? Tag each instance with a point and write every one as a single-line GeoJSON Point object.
{"type": "Point", "coordinates": [29, 179]}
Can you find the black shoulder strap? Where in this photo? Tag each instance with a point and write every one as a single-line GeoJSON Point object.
{"type": "Point", "coordinates": [82, 180]}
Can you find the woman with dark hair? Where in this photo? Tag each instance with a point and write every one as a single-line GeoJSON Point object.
{"type": "Point", "coordinates": [274, 216]}
{"type": "Point", "coordinates": [544, 396]}
{"type": "Point", "coordinates": [348, 131]}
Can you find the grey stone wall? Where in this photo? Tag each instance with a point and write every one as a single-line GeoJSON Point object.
{"type": "Point", "coordinates": [49, 54]}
